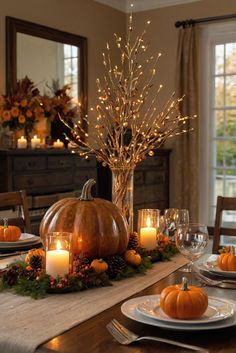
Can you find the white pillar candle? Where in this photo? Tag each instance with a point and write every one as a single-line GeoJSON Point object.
{"type": "Point", "coordinates": [57, 262]}
{"type": "Point", "coordinates": [148, 236]}
{"type": "Point", "coordinates": [35, 142]}
{"type": "Point", "coordinates": [58, 144]}
{"type": "Point", "coordinates": [22, 142]}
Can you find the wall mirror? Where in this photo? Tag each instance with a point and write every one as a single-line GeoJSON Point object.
{"type": "Point", "coordinates": [45, 55]}
{"type": "Point", "coordinates": [49, 57]}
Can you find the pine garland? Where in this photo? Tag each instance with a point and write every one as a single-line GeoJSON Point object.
{"type": "Point", "coordinates": [25, 280]}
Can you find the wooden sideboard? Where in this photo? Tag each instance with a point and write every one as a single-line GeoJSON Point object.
{"type": "Point", "coordinates": [48, 175]}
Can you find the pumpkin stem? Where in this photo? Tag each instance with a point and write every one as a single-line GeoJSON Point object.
{"type": "Point", "coordinates": [184, 283]}
{"type": "Point", "coordinates": [86, 191]}
{"type": "Point", "coordinates": [232, 250]}
{"type": "Point", "coordinates": [5, 222]}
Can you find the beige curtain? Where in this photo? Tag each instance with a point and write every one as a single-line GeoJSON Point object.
{"type": "Point", "coordinates": [186, 149]}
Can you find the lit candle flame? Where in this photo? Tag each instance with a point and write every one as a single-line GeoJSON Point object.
{"type": "Point", "coordinates": [58, 245]}
{"type": "Point", "coordinates": [148, 222]}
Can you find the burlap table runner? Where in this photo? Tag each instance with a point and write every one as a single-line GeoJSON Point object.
{"type": "Point", "coordinates": [27, 323]}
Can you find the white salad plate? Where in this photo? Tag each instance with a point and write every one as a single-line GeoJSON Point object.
{"type": "Point", "coordinates": [24, 240]}
{"type": "Point", "coordinates": [217, 310]}
{"type": "Point", "coordinates": [210, 266]}
{"type": "Point", "coordinates": [131, 309]}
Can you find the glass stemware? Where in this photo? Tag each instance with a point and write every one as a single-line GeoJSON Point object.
{"type": "Point", "coordinates": [173, 217]}
{"type": "Point", "coordinates": [191, 240]}
{"type": "Point", "coordinates": [182, 216]}
{"type": "Point", "coordinates": [170, 216]}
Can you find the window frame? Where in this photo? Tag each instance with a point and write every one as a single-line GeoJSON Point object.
{"type": "Point", "coordinates": [210, 35]}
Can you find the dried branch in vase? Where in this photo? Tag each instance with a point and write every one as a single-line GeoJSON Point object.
{"type": "Point", "coordinates": [125, 108]}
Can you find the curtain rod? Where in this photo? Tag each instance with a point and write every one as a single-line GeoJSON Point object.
{"type": "Point", "coordinates": [200, 20]}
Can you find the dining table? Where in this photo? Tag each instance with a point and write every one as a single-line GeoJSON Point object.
{"type": "Point", "coordinates": [76, 322]}
{"type": "Point", "coordinates": [92, 336]}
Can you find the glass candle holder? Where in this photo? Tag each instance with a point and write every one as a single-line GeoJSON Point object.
{"type": "Point", "coordinates": [58, 254]}
{"type": "Point", "coordinates": [148, 224]}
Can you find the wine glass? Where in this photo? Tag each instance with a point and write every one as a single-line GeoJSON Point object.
{"type": "Point", "coordinates": [173, 217]}
{"type": "Point", "coordinates": [191, 240]}
{"type": "Point", "coordinates": [182, 216]}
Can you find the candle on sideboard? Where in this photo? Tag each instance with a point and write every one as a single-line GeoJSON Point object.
{"type": "Point", "coordinates": [58, 144]}
{"type": "Point", "coordinates": [22, 142]}
{"type": "Point", "coordinates": [57, 261]}
{"type": "Point", "coordinates": [35, 142]}
{"type": "Point", "coordinates": [148, 236]}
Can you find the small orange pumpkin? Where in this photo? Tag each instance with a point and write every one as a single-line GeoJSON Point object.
{"type": "Point", "coordinates": [181, 301]}
{"type": "Point", "coordinates": [9, 233]}
{"type": "Point", "coordinates": [132, 257]}
{"type": "Point", "coordinates": [99, 265]}
{"type": "Point", "coordinates": [98, 226]}
{"type": "Point", "coordinates": [227, 261]}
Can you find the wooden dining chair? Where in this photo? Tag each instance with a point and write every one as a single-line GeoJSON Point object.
{"type": "Point", "coordinates": [16, 200]}
{"type": "Point", "coordinates": [223, 204]}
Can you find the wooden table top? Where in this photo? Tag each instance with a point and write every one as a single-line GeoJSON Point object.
{"type": "Point", "coordinates": [92, 336]}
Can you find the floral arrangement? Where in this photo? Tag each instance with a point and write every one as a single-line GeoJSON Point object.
{"type": "Point", "coordinates": [22, 108]}
{"type": "Point", "coordinates": [26, 106]}
{"type": "Point", "coordinates": [28, 277]}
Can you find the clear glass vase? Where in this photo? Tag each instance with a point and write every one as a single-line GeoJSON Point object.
{"type": "Point", "coordinates": [123, 191]}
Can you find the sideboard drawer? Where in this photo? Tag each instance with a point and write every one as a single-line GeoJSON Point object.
{"type": "Point", "coordinates": [42, 180]}
{"type": "Point", "coordinates": [154, 162]}
{"type": "Point", "coordinates": [30, 163]}
{"type": "Point", "coordinates": [60, 162]}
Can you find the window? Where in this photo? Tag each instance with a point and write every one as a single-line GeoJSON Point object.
{"type": "Point", "coordinates": [71, 54]}
{"type": "Point", "coordinates": [217, 119]}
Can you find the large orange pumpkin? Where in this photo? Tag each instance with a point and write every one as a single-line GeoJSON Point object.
{"type": "Point", "coordinates": [227, 261]}
{"type": "Point", "coordinates": [184, 302]}
{"type": "Point", "coordinates": [98, 226]}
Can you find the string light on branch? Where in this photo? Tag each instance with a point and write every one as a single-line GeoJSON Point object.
{"type": "Point", "coordinates": [129, 124]}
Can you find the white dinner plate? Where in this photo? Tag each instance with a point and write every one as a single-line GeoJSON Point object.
{"type": "Point", "coordinates": [210, 266]}
{"type": "Point", "coordinates": [217, 310]}
{"type": "Point", "coordinates": [24, 240]}
{"type": "Point", "coordinates": [129, 309]}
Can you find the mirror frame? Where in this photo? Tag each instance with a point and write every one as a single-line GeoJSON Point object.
{"type": "Point", "coordinates": [14, 25]}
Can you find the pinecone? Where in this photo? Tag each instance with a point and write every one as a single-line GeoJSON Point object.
{"type": "Point", "coordinates": [35, 262]}
{"type": "Point", "coordinates": [116, 264]}
{"type": "Point", "coordinates": [133, 241]}
{"type": "Point", "coordinates": [81, 264]}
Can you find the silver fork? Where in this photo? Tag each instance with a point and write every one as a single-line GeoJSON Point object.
{"type": "Point", "coordinates": [224, 283]}
{"type": "Point", "coordinates": [125, 336]}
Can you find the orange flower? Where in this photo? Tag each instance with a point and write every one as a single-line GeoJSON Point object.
{"type": "Point", "coordinates": [28, 268]}
{"type": "Point", "coordinates": [15, 112]}
{"type": "Point", "coordinates": [21, 119]}
{"type": "Point", "coordinates": [29, 113]}
{"type": "Point", "coordinates": [6, 115]}
{"type": "Point", "coordinates": [23, 102]}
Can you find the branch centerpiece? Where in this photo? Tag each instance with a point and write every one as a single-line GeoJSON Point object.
{"type": "Point", "coordinates": [129, 124]}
